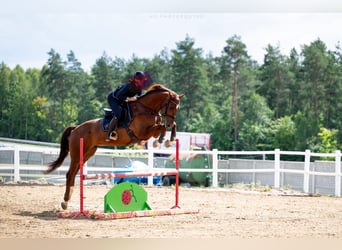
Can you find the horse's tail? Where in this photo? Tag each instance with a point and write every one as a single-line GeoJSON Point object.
{"type": "Point", "coordinates": [64, 150]}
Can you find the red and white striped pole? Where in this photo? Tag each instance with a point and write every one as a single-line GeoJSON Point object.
{"type": "Point", "coordinates": [81, 181]}
{"type": "Point", "coordinates": [177, 176]}
{"type": "Point", "coordinates": [81, 176]}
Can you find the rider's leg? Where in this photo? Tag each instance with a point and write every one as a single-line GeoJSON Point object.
{"type": "Point", "coordinates": [116, 109]}
{"type": "Point", "coordinates": [111, 128]}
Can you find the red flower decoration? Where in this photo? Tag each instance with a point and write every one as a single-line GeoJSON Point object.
{"type": "Point", "coordinates": [126, 197]}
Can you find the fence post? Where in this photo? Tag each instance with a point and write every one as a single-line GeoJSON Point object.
{"type": "Point", "coordinates": [215, 167]}
{"type": "Point", "coordinates": [338, 173]}
{"type": "Point", "coordinates": [16, 163]}
{"type": "Point", "coordinates": [277, 168]}
{"type": "Point", "coordinates": [306, 171]}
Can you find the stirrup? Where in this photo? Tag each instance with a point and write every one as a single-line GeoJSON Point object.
{"type": "Point", "coordinates": [113, 136]}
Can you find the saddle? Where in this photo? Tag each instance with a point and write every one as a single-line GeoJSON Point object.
{"type": "Point", "coordinates": [122, 123]}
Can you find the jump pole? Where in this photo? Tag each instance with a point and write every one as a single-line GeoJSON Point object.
{"type": "Point", "coordinates": [93, 214]}
{"type": "Point", "coordinates": [177, 176]}
{"type": "Point", "coordinates": [81, 212]}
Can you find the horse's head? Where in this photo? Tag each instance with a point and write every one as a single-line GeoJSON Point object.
{"type": "Point", "coordinates": [170, 108]}
{"type": "Point", "coordinates": [168, 103]}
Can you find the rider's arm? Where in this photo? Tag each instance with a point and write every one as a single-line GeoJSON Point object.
{"type": "Point", "coordinates": [134, 98]}
{"type": "Point", "coordinates": [121, 94]}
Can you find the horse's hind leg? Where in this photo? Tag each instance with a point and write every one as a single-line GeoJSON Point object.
{"type": "Point", "coordinates": [70, 183]}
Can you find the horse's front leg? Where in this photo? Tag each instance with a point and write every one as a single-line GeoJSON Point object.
{"type": "Point", "coordinates": [173, 132]}
{"type": "Point", "coordinates": [168, 143]}
{"type": "Point", "coordinates": [162, 136]}
{"type": "Point", "coordinates": [161, 131]}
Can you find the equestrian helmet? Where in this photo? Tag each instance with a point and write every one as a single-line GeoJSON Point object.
{"type": "Point", "coordinates": [144, 77]}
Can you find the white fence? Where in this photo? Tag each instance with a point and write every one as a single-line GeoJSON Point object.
{"type": "Point", "coordinates": [275, 169]}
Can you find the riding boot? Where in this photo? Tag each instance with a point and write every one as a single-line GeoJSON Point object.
{"type": "Point", "coordinates": [111, 134]}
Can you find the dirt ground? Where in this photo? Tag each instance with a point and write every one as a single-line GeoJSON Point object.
{"type": "Point", "coordinates": [28, 210]}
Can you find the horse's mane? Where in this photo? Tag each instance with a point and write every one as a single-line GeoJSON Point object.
{"type": "Point", "coordinates": [157, 87]}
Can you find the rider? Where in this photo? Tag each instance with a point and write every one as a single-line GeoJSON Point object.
{"type": "Point", "coordinates": [126, 92]}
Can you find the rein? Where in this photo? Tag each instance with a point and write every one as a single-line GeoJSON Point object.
{"type": "Point", "coordinates": [149, 112]}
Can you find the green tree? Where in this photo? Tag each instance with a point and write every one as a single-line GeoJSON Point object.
{"type": "Point", "coordinates": [18, 105]}
{"type": "Point", "coordinates": [76, 107]}
{"type": "Point", "coordinates": [325, 141]}
{"type": "Point", "coordinates": [53, 80]}
{"type": "Point", "coordinates": [159, 68]}
{"type": "Point", "coordinates": [254, 129]}
{"type": "Point", "coordinates": [294, 102]}
{"type": "Point", "coordinates": [336, 98]}
{"type": "Point", "coordinates": [315, 64]}
{"type": "Point", "coordinates": [189, 79]}
{"type": "Point", "coordinates": [332, 88]}
{"type": "Point", "coordinates": [5, 74]}
{"type": "Point", "coordinates": [275, 76]}
{"type": "Point", "coordinates": [215, 86]}
{"type": "Point", "coordinates": [304, 130]}
{"type": "Point", "coordinates": [221, 124]}
{"type": "Point", "coordinates": [103, 78]}
{"type": "Point", "coordinates": [39, 131]}
{"type": "Point", "coordinates": [234, 62]}
{"type": "Point", "coordinates": [284, 133]}
{"type": "Point", "coordinates": [33, 126]}
{"type": "Point", "coordinates": [319, 89]}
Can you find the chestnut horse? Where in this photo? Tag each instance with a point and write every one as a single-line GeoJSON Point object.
{"type": "Point", "coordinates": [151, 115]}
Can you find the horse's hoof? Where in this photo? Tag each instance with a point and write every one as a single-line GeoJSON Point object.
{"type": "Point", "coordinates": [156, 144]}
{"type": "Point", "coordinates": [64, 205]}
{"type": "Point", "coordinates": [168, 143]}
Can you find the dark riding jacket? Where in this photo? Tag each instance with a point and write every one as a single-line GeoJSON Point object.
{"type": "Point", "coordinates": [126, 90]}
{"type": "Point", "coordinates": [118, 96]}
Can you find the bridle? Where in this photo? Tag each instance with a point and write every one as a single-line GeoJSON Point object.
{"type": "Point", "coordinates": [159, 115]}
{"type": "Point", "coordinates": [163, 112]}
{"type": "Point", "coordinates": [166, 106]}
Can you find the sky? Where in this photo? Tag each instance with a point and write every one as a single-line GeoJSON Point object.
{"type": "Point", "coordinates": [29, 29]}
